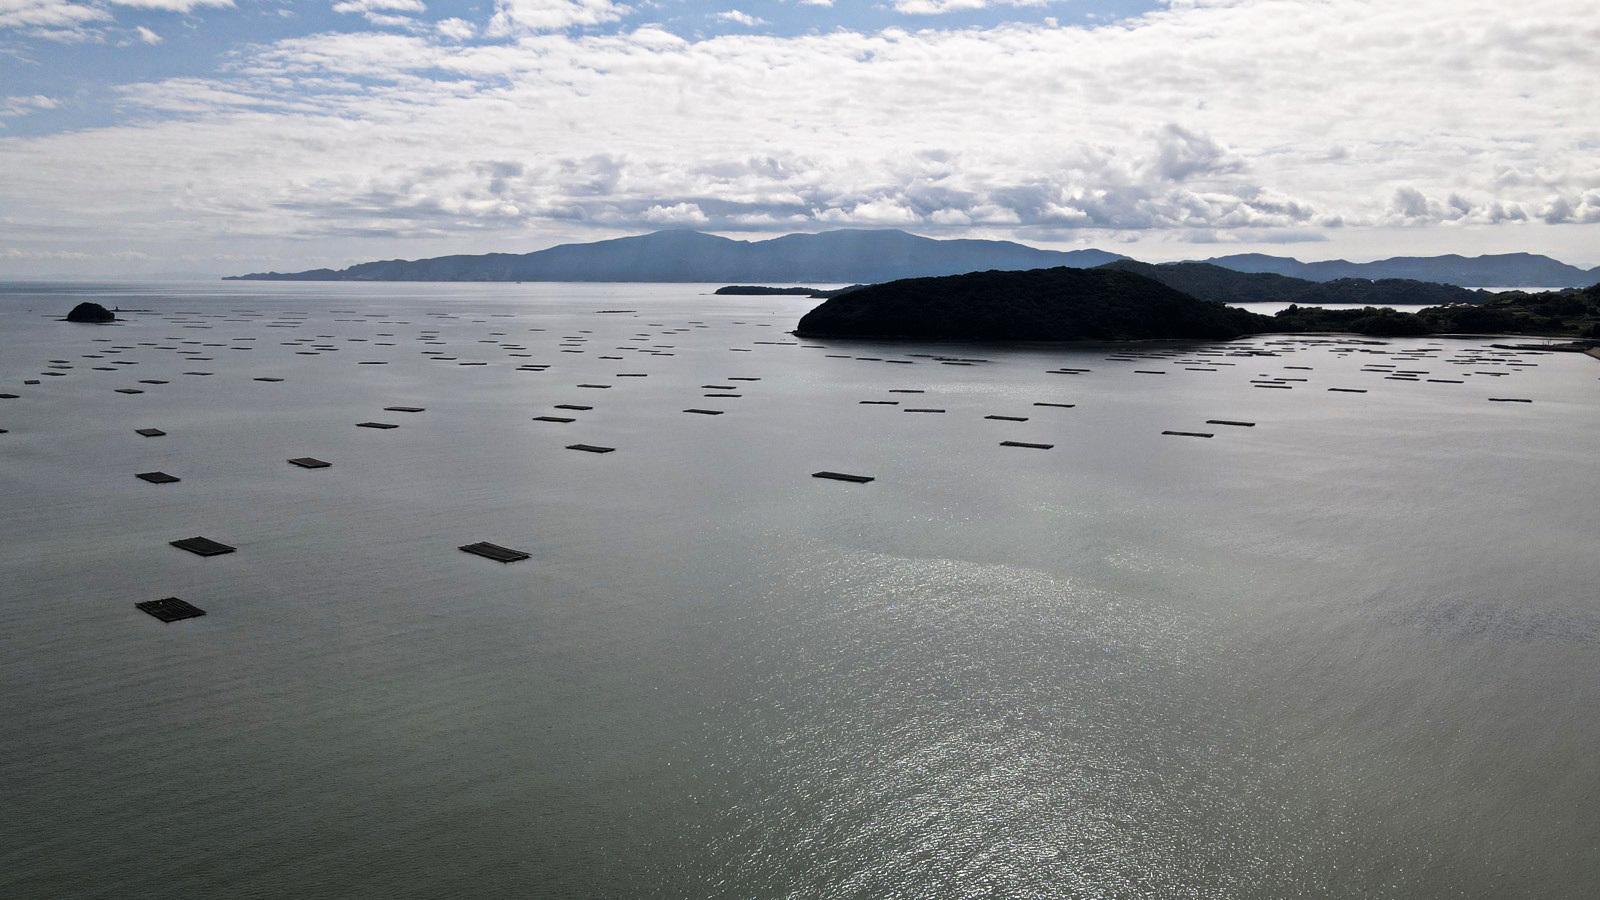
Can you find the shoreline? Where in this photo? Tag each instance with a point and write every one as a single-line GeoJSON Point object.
{"type": "Point", "coordinates": [1083, 342]}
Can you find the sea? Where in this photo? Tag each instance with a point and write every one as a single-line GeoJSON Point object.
{"type": "Point", "coordinates": [1348, 647]}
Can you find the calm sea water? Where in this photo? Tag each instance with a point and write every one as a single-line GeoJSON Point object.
{"type": "Point", "coordinates": [1353, 651]}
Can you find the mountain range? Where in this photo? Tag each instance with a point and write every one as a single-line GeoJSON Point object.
{"type": "Point", "coordinates": [689, 256]}
{"type": "Point", "coordinates": [872, 255]}
{"type": "Point", "coordinates": [1496, 270]}
{"type": "Point", "coordinates": [1207, 281]}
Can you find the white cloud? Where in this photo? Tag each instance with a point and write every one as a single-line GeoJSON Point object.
{"type": "Point", "coordinates": [455, 29]}
{"type": "Point", "coordinates": [940, 7]}
{"type": "Point", "coordinates": [49, 14]}
{"type": "Point", "coordinates": [532, 16]}
{"type": "Point", "coordinates": [146, 35]}
{"type": "Point", "coordinates": [181, 6]}
{"type": "Point", "coordinates": [677, 214]}
{"type": "Point", "coordinates": [365, 142]}
{"type": "Point", "coordinates": [366, 6]}
{"type": "Point", "coordinates": [69, 20]}
{"type": "Point", "coordinates": [383, 13]}
{"type": "Point", "coordinates": [11, 107]}
{"type": "Point", "coordinates": [741, 18]}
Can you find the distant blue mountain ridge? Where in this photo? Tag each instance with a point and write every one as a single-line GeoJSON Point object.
{"type": "Point", "coordinates": [863, 256]}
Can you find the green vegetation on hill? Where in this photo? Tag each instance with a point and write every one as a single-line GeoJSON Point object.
{"type": "Point", "coordinates": [1059, 304]}
{"type": "Point", "coordinates": [1111, 303]}
{"type": "Point", "coordinates": [1208, 282]}
{"type": "Point", "coordinates": [1570, 313]}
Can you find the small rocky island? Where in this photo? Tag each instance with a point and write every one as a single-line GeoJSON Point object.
{"type": "Point", "coordinates": [1059, 304]}
{"type": "Point", "coordinates": [91, 313]}
{"type": "Point", "coordinates": [753, 290]}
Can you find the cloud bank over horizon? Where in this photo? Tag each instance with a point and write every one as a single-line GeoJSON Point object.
{"type": "Point", "coordinates": [399, 128]}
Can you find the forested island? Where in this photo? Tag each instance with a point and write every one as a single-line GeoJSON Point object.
{"type": "Point", "coordinates": [1569, 313]}
{"type": "Point", "coordinates": [1111, 303]}
{"type": "Point", "coordinates": [1060, 304]}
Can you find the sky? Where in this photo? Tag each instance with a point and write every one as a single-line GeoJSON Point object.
{"type": "Point", "coordinates": [161, 138]}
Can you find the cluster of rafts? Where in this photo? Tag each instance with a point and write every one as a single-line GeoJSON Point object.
{"type": "Point", "coordinates": [1481, 362]}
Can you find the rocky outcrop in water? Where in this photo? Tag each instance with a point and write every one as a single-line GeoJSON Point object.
{"type": "Point", "coordinates": [92, 313]}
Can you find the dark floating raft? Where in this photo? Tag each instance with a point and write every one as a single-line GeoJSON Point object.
{"type": "Point", "coordinates": [171, 609]}
{"type": "Point", "coordinates": [554, 419]}
{"type": "Point", "coordinates": [842, 476]}
{"type": "Point", "coordinates": [924, 410]}
{"type": "Point", "coordinates": [705, 412]}
{"type": "Point", "coordinates": [129, 391]}
{"type": "Point", "coordinates": [203, 546]}
{"type": "Point", "coordinates": [404, 409]}
{"type": "Point", "coordinates": [1056, 405]}
{"type": "Point", "coordinates": [1200, 434]}
{"type": "Point", "coordinates": [149, 432]}
{"type": "Point", "coordinates": [1509, 400]}
{"type": "Point", "coordinates": [264, 378]}
{"type": "Point", "coordinates": [1226, 422]}
{"type": "Point", "coordinates": [1027, 445]}
{"type": "Point", "coordinates": [1008, 418]}
{"type": "Point", "coordinates": [309, 462]}
{"type": "Point", "coordinates": [1348, 390]}
{"type": "Point", "coordinates": [494, 552]}
{"type": "Point", "coordinates": [375, 425]}
{"type": "Point", "coordinates": [158, 477]}
{"type": "Point", "coordinates": [590, 448]}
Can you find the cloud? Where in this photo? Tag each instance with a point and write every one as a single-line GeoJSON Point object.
{"type": "Point", "coordinates": [68, 20]}
{"type": "Point", "coordinates": [676, 214]}
{"type": "Point", "coordinates": [455, 29]}
{"type": "Point", "coordinates": [940, 7]}
{"type": "Point", "coordinates": [383, 13]}
{"type": "Point", "coordinates": [1183, 154]}
{"type": "Point", "coordinates": [1410, 207]}
{"type": "Point", "coordinates": [534, 16]}
{"type": "Point", "coordinates": [180, 6]}
{"type": "Point", "coordinates": [11, 107]}
{"type": "Point", "coordinates": [745, 19]}
{"type": "Point", "coordinates": [49, 14]}
{"type": "Point", "coordinates": [146, 35]}
{"type": "Point", "coordinates": [531, 130]}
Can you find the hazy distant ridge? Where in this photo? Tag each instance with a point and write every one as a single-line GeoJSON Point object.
{"type": "Point", "coordinates": [678, 256]}
{"type": "Point", "coordinates": [871, 256]}
{"type": "Point", "coordinates": [1497, 270]}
